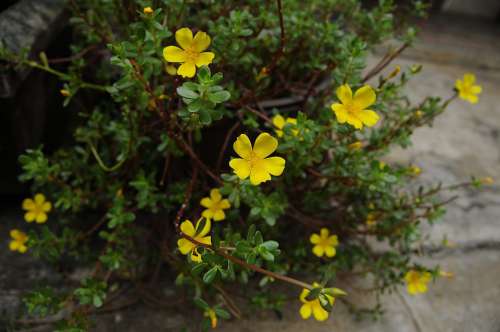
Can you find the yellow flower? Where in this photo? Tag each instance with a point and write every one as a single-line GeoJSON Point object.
{"type": "Point", "coordinates": [419, 114]}
{"type": "Point", "coordinates": [37, 209]}
{"type": "Point", "coordinates": [353, 109]}
{"type": "Point", "coordinates": [64, 92]}
{"type": "Point", "coordinates": [467, 90]}
{"type": "Point", "coordinates": [355, 146]}
{"type": "Point", "coordinates": [280, 122]}
{"type": "Point", "coordinates": [18, 242]}
{"type": "Point", "coordinates": [210, 313]}
{"type": "Point", "coordinates": [170, 69]}
{"type": "Point", "coordinates": [147, 10]}
{"type": "Point", "coordinates": [215, 206]}
{"type": "Point", "coordinates": [415, 170]}
{"type": "Point", "coordinates": [186, 246]}
{"type": "Point", "coordinates": [254, 161]}
{"type": "Point", "coordinates": [416, 281]}
{"type": "Point", "coordinates": [371, 219]}
{"type": "Point", "coordinates": [313, 307]}
{"type": "Point", "coordinates": [324, 243]}
{"type": "Point", "coordinates": [488, 180]}
{"type": "Point", "coordinates": [191, 53]}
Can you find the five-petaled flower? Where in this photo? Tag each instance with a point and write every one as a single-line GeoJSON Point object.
{"type": "Point", "coordinates": [147, 10]}
{"type": "Point", "coordinates": [215, 206]}
{"type": "Point", "coordinates": [352, 109]}
{"type": "Point", "coordinates": [467, 90]}
{"type": "Point", "coordinates": [198, 233]}
{"type": "Point", "coordinates": [324, 243]}
{"type": "Point", "coordinates": [18, 242]}
{"type": "Point", "coordinates": [313, 307]}
{"type": "Point", "coordinates": [416, 281]}
{"type": "Point", "coordinates": [254, 161]}
{"type": "Point", "coordinates": [191, 53]}
{"type": "Point", "coordinates": [36, 208]}
{"type": "Point", "coordinates": [280, 122]}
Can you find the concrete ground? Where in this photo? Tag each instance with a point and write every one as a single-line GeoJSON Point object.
{"type": "Point", "coordinates": [463, 141]}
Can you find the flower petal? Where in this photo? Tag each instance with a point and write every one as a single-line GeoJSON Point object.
{"type": "Point", "coordinates": [279, 121]}
{"type": "Point", "coordinates": [187, 69]}
{"type": "Point", "coordinates": [243, 147]}
{"type": "Point", "coordinates": [303, 295]}
{"type": "Point", "coordinates": [476, 89]}
{"type": "Point", "coordinates": [187, 228]}
{"type": "Point", "coordinates": [324, 233]}
{"type": "Point", "coordinates": [185, 246]}
{"type": "Point", "coordinates": [354, 121]}
{"type": "Point", "coordinates": [206, 227]}
{"type": "Point", "coordinates": [41, 218]}
{"type": "Point", "coordinates": [318, 250]}
{"type": "Point", "coordinates": [201, 41]}
{"type": "Point", "coordinates": [39, 199]}
{"type": "Point", "coordinates": [184, 37]}
{"type": "Point", "coordinates": [204, 59]}
{"type": "Point", "coordinates": [259, 174]}
{"type": "Point", "coordinates": [46, 207]}
{"type": "Point", "coordinates": [241, 167]}
{"type": "Point", "coordinates": [219, 215]}
{"type": "Point", "coordinates": [28, 204]}
{"type": "Point", "coordinates": [207, 214]}
{"type": "Point", "coordinates": [225, 204]}
{"type": "Point", "coordinates": [330, 251]}
{"type": "Point", "coordinates": [364, 97]}
{"type": "Point", "coordinates": [22, 248]}
{"type": "Point", "coordinates": [344, 93]}
{"type": "Point", "coordinates": [368, 117]}
{"type": "Point", "coordinates": [314, 238]}
{"type": "Point", "coordinates": [15, 234]}
{"type": "Point", "coordinates": [264, 145]}
{"type": "Point", "coordinates": [14, 245]}
{"type": "Point", "coordinates": [340, 112]}
{"type": "Point", "coordinates": [206, 202]}
{"type": "Point", "coordinates": [205, 240]}
{"type": "Point", "coordinates": [469, 79]}
{"type": "Point", "coordinates": [215, 195]}
{"type": "Point", "coordinates": [305, 311]}
{"type": "Point", "coordinates": [174, 54]}
{"type": "Point", "coordinates": [29, 216]}
{"type": "Point", "coordinates": [274, 165]}
{"type": "Point", "coordinates": [319, 313]}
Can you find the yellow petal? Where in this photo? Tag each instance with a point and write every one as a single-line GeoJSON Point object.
{"type": "Point", "coordinates": [278, 121]}
{"type": "Point", "coordinates": [303, 295]}
{"type": "Point", "coordinates": [185, 246]}
{"type": "Point", "coordinates": [171, 70]}
{"type": "Point", "coordinates": [459, 85]}
{"type": "Point", "coordinates": [412, 289]}
{"type": "Point", "coordinates": [340, 112]}
{"type": "Point", "coordinates": [476, 89]}
{"type": "Point", "coordinates": [187, 69]}
{"type": "Point", "coordinates": [28, 204]}
{"type": "Point", "coordinates": [305, 311]}
{"type": "Point", "coordinates": [241, 167]}
{"type": "Point", "coordinates": [259, 174]}
{"type": "Point", "coordinates": [204, 59]}
{"type": "Point", "coordinates": [314, 238]}
{"type": "Point", "coordinates": [324, 233]}
{"type": "Point", "coordinates": [39, 199]}
{"type": "Point", "coordinates": [205, 240]}
{"type": "Point", "coordinates": [364, 97]}
{"type": "Point", "coordinates": [201, 41]}
{"type": "Point", "coordinates": [206, 202]}
{"type": "Point", "coordinates": [330, 251]}
{"type": "Point", "coordinates": [22, 249]}
{"type": "Point", "coordinates": [473, 99]}
{"type": "Point", "coordinates": [274, 165]}
{"type": "Point", "coordinates": [47, 206]}
{"type": "Point", "coordinates": [224, 204]}
{"type": "Point", "coordinates": [206, 227]}
{"type": "Point", "coordinates": [215, 195]}
{"type": "Point", "coordinates": [368, 117]}
{"type": "Point", "coordinates": [184, 37]}
{"type": "Point", "coordinates": [344, 93]}
{"type": "Point", "coordinates": [195, 256]}
{"type": "Point", "coordinates": [29, 216]}
{"type": "Point", "coordinates": [333, 240]}
{"type": "Point", "coordinates": [41, 218]}
{"type": "Point", "coordinates": [318, 250]}
{"type": "Point", "coordinates": [188, 228]}
{"type": "Point", "coordinates": [174, 54]}
{"type": "Point", "coordinates": [219, 215]}
{"type": "Point", "coordinates": [469, 78]}
{"type": "Point", "coordinates": [15, 234]}
{"type": "Point", "coordinates": [207, 214]}
{"type": "Point", "coordinates": [264, 145]}
{"type": "Point", "coordinates": [354, 121]}
{"type": "Point", "coordinates": [14, 245]}
{"type": "Point", "coordinates": [243, 147]}
{"type": "Point", "coordinates": [319, 313]}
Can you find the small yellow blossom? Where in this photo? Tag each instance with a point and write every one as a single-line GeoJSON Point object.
{"type": "Point", "coordinates": [313, 307]}
{"type": "Point", "coordinates": [264, 72]}
{"type": "Point", "coordinates": [210, 314]}
{"type": "Point", "coordinates": [18, 242]}
{"type": "Point", "coordinates": [467, 90]}
{"type": "Point", "coordinates": [64, 92]}
{"type": "Point", "coordinates": [371, 219]}
{"type": "Point", "coordinates": [419, 114]}
{"type": "Point", "coordinates": [416, 281]}
{"type": "Point", "coordinates": [488, 180]}
{"type": "Point", "coordinates": [254, 161]}
{"type": "Point", "coordinates": [190, 53]}
{"type": "Point", "coordinates": [215, 206]}
{"type": "Point", "coordinates": [324, 243]}
{"type": "Point", "coordinates": [37, 209]}
{"type": "Point", "coordinates": [415, 170]}
{"type": "Point", "coordinates": [280, 122]}
{"type": "Point", "coordinates": [147, 10]}
{"type": "Point", "coordinates": [352, 109]}
{"type": "Point", "coordinates": [170, 69]}
{"type": "Point", "coordinates": [355, 146]}
{"type": "Point", "coordinates": [186, 246]}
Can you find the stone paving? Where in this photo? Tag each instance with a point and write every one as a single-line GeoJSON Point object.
{"type": "Point", "coordinates": [462, 142]}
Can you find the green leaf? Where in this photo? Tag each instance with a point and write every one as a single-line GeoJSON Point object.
{"type": "Point", "coordinates": [210, 275]}
{"type": "Point", "coordinates": [185, 92]}
{"type": "Point", "coordinates": [219, 97]}
{"type": "Point", "coordinates": [199, 302]}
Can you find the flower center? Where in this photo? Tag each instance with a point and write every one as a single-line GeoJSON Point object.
{"type": "Point", "coordinates": [254, 159]}
{"type": "Point", "coordinates": [191, 54]}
